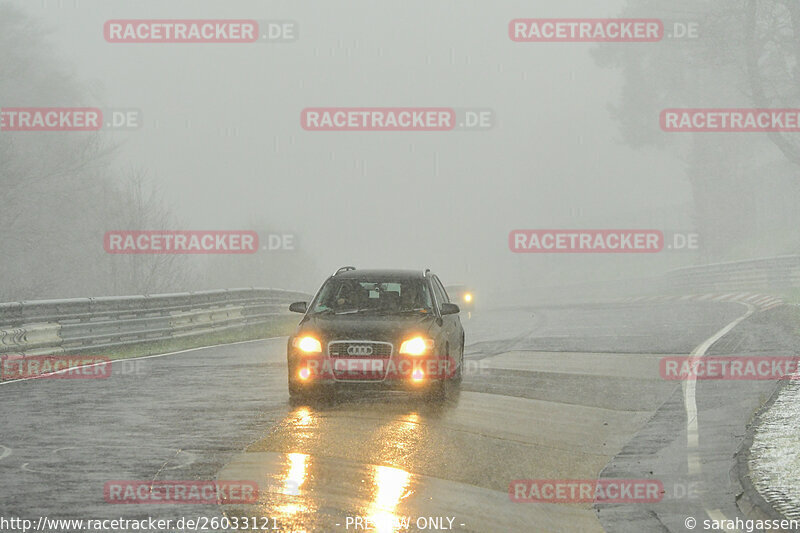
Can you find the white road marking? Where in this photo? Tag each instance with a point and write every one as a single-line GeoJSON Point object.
{"type": "Point", "coordinates": [716, 514]}
{"type": "Point", "coordinates": [191, 457]}
{"type": "Point", "coordinates": [6, 452]}
{"type": "Point", "coordinates": [25, 468]}
{"type": "Point", "coordinates": [689, 389]}
{"type": "Point", "coordinates": [142, 357]}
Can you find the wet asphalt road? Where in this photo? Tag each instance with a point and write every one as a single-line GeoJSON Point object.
{"type": "Point", "coordinates": [551, 393]}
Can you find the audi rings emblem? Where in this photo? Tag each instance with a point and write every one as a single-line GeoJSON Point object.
{"type": "Point", "coordinates": [359, 349]}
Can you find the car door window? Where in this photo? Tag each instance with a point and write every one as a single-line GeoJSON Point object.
{"type": "Point", "coordinates": [442, 289]}
{"type": "Point", "coordinates": [441, 296]}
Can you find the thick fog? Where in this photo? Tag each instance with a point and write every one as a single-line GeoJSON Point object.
{"type": "Point", "coordinates": [574, 142]}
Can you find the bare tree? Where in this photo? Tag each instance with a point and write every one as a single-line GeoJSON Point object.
{"type": "Point", "coordinates": [60, 190]}
{"type": "Point", "coordinates": [772, 36]}
{"type": "Point", "coordinates": [746, 56]}
{"type": "Point", "coordinates": [137, 205]}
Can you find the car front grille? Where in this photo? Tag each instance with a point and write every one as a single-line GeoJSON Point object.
{"type": "Point", "coordinates": [372, 349]}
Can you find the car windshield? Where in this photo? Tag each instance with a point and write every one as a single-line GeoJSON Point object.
{"type": "Point", "coordinates": [343, 296]}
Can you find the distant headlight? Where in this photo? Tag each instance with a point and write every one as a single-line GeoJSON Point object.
{"type": "Point", "coordinates": [307, 344]}
{"type": "Point", "coordinates": [468, 297]}
{"type": "Point", "coordinates": [416, 346]}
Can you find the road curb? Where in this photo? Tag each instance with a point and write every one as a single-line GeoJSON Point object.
{"type": "Point", "coordinates": [750, 501]}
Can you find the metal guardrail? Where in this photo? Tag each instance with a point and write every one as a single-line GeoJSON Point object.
{"type": "Point", "coordinates": [70, 326]}
{"type": "Point", "coordinates": [773, 274]}
{"type": "Point", "coordinates": [74, 325]}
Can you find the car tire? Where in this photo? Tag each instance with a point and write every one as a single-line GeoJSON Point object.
{"type": "Point", "coordinates": [308, 395]}
{"type": "Point", "coordinates": [299, 393]}
{"type": "Point", "coordinates": [459, 374]}
{"type": "Point", "coordinates": [437, 391]}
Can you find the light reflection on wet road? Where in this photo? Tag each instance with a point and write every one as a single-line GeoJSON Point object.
{"type": "Point", "coordinates": [543, 404]}
{"type": "Point", "coordinates": [373, 460]}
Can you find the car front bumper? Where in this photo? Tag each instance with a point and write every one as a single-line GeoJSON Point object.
{"type": "Point", "coordinates": [396, 372]}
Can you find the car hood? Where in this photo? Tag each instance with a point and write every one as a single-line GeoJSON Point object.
{"type": "Point", "coordinates": [387, 328]}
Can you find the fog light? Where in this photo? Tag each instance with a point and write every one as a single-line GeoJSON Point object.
{"type": "Point", "coordinates": [417, 375]}
{"type": "Point", "coordinates": [305, 373]}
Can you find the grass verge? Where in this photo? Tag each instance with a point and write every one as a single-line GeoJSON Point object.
{"type": "Point", "coordinates": [276, 327]}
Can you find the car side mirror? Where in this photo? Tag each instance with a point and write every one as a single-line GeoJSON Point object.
{"type": "Point", "coordinates": [450, 309]}
{"type": "Point", "coordinates": [298, 307]}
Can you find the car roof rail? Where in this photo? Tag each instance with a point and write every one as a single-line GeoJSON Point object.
{"type": "Point", "coordinates": [344, 269]}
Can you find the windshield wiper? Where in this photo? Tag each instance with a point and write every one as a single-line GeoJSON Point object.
{"type": "Point", "coordinates": [401, 311]}
{"type": "Point", "coordinates": [354, 311]}
{"type": "Point", "coordinates": [373, 310]}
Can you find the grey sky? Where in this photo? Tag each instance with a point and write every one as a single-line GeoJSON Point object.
{"type": "Point", "coordinates": [222, 136]}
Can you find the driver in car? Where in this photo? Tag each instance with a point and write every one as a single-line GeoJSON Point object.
{"type": "Point", "coordinates": [348, 297]}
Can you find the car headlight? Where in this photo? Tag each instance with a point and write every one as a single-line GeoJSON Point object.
{"type": "Point", "coordinates": [416, 346]}
{"type": "Point", "coordinates": [468, 297]}
{"type": "Point", "coordinates": [307, 344]}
